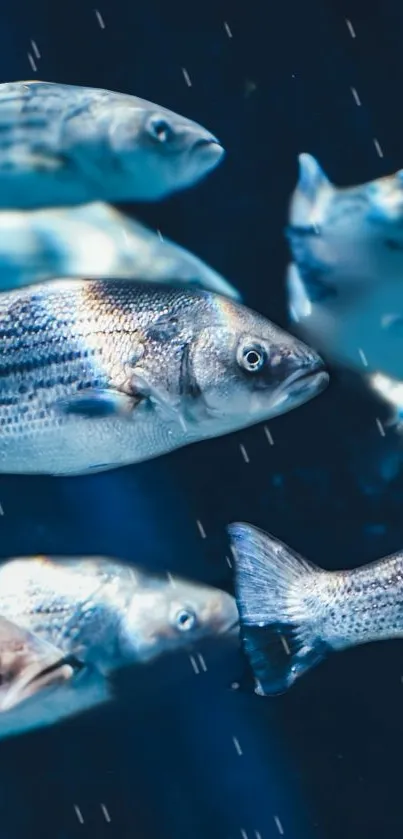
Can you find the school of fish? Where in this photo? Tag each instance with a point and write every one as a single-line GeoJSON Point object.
{"type": "Point", "coordinates": [118, 346]}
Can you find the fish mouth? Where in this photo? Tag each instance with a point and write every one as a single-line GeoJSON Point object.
{"type": "Point", "coordinates": [211, 149]}
{"type": "Point", "coordinates": [300, 387]}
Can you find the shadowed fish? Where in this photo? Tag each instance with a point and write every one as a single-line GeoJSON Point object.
{"type": "Point", "coordinates": [293, 614]}
{"type": "Point", "coordinates": [345, 287]}
{"type": "Point", "coordinates": [65, 144]}
{"type": "Point", "coordinates": [67, 624]}
{"type": "Point", "coordinates": [99, 374]}
{"type": "Point", "coordinates": [94, 240]}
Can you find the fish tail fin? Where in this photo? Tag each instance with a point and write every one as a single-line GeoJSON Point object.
{"type": "Point", "coordinates": [311, 182]}
{"type": "Point", "coordinates": [279, 612]}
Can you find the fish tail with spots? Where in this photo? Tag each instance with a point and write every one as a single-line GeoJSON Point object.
{"type": "Point", "coordinates": [293, 614]}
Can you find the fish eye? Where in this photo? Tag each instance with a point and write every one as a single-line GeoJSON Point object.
{"type": "Point", "coordinates": [185, 619]}
{"type": "Point", "coordinates": [160, 130]}
{"type": "Point", "coordinates": [252, 357]}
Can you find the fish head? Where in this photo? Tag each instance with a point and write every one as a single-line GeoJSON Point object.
{"type": "Point", "coordinates": [344, 233]}
{"type": "Point", "coordinates": [163, 151]}
{"type": "Point", "coordinates": [242, 369]}
{"type": "Point", "coordinates": [167, 615]}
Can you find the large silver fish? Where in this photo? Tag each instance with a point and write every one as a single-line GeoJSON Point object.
{"type": "Point", "coordinates": [293, 614]}
{"type": "Point", "coordinates": [345, 289]}
{"type": "Point", "coordinates": [94, 240]}
{"type": "Point", "coordinates": [64, 144]}
{"type": "Point", "coordinates": [95, 375]}
{"type": "Point", "coordinates": [67, 624]}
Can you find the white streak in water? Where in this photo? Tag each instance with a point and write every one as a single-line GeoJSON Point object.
{"type": "Point", "coordinates": [105, 812]}
{"type": "Point", "coordinates": [378, 147]}
{"type": "Point", "coordinates": [79, 814]}
{"type": "Point", "coordinates": [35, 49]}
{"type": "Point", "coordinates": [363, 357]}
{"type": "Point", "coordinates": [186, 77]}
{"type": "Point", "coordinates": [268, 435]}
{"type": "Point", "coordinates": [279, 825]}
{"type": "Point", "coordinates": [237, 746]}
{"type": "Point", "coordinates": [99, 18]}
{"type": "Point", "coordinates": [194, 665]}
{"type": "Point", "coordinates": [380, 427]}
{"type": "Point", "coordinates": [350, 28]}
{"type": "Point", "coordinates": [356, 97]}
{"type": "Point", "coordinates": [201, 529]}
{"type": "Point", "coordinates": [244, 453]}
{"type": "Point", "coordinates": [203, 664]}
{"type": "Point", "coordinates": [227, 29]}
{"type": "Point", "coordinates": [32, 62]}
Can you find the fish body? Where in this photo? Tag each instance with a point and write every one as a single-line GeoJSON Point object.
{"type": "Point", "coordinates": [94, 240]}
{"type": "Point", "coordinates": [66, 144]}
{"type": "Point", "coordinates": [293, 614]}
{"type": "Point", "coordinates": [100, 374]}
{"type": "Point", "coordinates": [344, 287]}
{"type": "Point", "coordinates": [66, 624]}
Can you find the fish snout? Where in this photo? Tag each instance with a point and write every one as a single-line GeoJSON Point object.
{"type": "Point", "coordinates": [301, 376]}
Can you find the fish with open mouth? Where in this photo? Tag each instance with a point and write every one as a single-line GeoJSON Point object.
{"type": "Point", "coordinates": [94, 240]}
{"type": "Point", "coordinates": [294, 614]}
{"type": "Point", "coordinates": [67, 623]}
{"type": "Point", "coordinates": [100, 374]}
{"type": "Point", "coordinates": [66, 144]}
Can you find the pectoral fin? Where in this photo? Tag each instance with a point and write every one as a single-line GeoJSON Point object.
{"type": "Point", "coordinates": [28, 664]}
{"type": "Point", "coordinates": [169, 409]}
{"type": "Point", "coordinates": [98, 404]}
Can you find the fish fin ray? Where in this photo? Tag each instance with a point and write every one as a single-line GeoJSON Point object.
{"type": "Point", "coordinates": [277, 628]}
{"type": "Point", "coordinates": [311, 181]}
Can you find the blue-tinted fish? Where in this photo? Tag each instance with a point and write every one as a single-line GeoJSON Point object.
{"type": "Point", "coordinates": [94, 240]}
{"type": "Point", "coordinates": [293, 614]}
{"type": "Point", "coordinates": [64, 144]}
{"type": "Point", "coordinates": [99, 374]}
{"type": "Point", "coordinates": [67, 624]}
{"type": "Point", "coordinates": [345, 290]}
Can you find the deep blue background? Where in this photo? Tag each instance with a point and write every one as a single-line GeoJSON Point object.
{"type": "Point", "coordinates": [326, 758]}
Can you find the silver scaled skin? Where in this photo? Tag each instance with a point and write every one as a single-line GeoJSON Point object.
{"type": "Point", "coordinates": [293, 614]}
{"type": "Point", "coordinates": [94, 240]}
{"type": "Point", "coordinates": [66, 624]}
{"type": "Point", "coordinates": [64, 144]}
{"type": "Point", "coordinates": [106, 613]}
{"type": "Point", "coordinates": [99, 374]}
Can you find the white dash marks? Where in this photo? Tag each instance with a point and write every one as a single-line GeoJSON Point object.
{"type": "Point", "coordinates": [268, 436]}
{"type": "Point", "coordinates": [99, 18]}
{"type": "Point", "coordinates": [171, 580]}
{"type": "Point", "coordinates": [201, 529]}
{"type": "Point", "coordinates": [35, 49]}
{"type": "Point", "coordinates": [356, 98]}
{"type": "Point", "coordinates": [350, 28]}
{"type": "Point", "coordinates": [244, 834]}
{"type": "Point", "coordinates": [258, 835]}
{"type": "Point", "coordinates": [380, 427]}
{"type": "Point", "coordinates": [363, 357]}
{"type": "Point", "coordinates": [194, 664]}
{"type": "Point", "coordinates": [227, 29]}
{"type": "Point", "coordinates": [378, 147]}
{"type": "Point", "coordinates": [279, 825]}
{"type": "Point", "coordinates": [244, 453]}
{"type": "Point", "coordinates": [285, 645]}
{"type": "Point", "coordinates": [237, 746]}
{"type": "Point", "coordinates": [105, 812]}
{"type": "Point", "coordinates": [160, 236]}
{"type": "Point", "coordinates": [186, 77]}
{"type": "Point", "coordinates": [228, 561]}
{"type": "Point", "coordinates": [79, 814]}
{"type": "Point", "coordinates": [32, 62]}
{"type": "Point", "coordinates": [203, 664]}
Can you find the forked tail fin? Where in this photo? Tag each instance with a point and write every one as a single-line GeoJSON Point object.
{"type": "Point", "coordinates": [279, 611]}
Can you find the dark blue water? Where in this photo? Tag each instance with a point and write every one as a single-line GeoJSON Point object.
{"type": "Point", "coordinates": [324, 760]}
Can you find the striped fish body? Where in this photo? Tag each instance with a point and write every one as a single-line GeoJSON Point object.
{"type": "Point", "coordinates": [64, 144]}
{"type": "Point", "coordinates": [99, 374]}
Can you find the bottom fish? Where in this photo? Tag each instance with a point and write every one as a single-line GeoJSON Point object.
{"type": "Point", "coordinates": [66, 624]}
{"type": "Point", "coordinates": [293, 614]}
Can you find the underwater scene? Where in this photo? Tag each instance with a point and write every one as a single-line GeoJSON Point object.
{"type": "Point", "coordinates": [201, 420]}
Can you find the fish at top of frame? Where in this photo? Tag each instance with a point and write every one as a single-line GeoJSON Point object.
{"type": "Point", "coordinates": [345, 285]}
{"type": "Point", "coordinates": [104, 373]}
{"type": "Point", "coordinates": [65, 144]}
{"type": "Point", "coordinates": [94, 240]}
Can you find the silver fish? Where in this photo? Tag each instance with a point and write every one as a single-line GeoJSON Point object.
{"type": "Point", "coordinates": [95, 375]}
{"type": "Point", "coordinates": [65, 144]}
{"type": "Point", "coordinates": [67, 624]}
{"type": "Point", "coordinates": [293, 614]}
{"type": "Point", "coordinates": [94, 240]}
{"type": "Point", "coordinates": [344, 288]}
